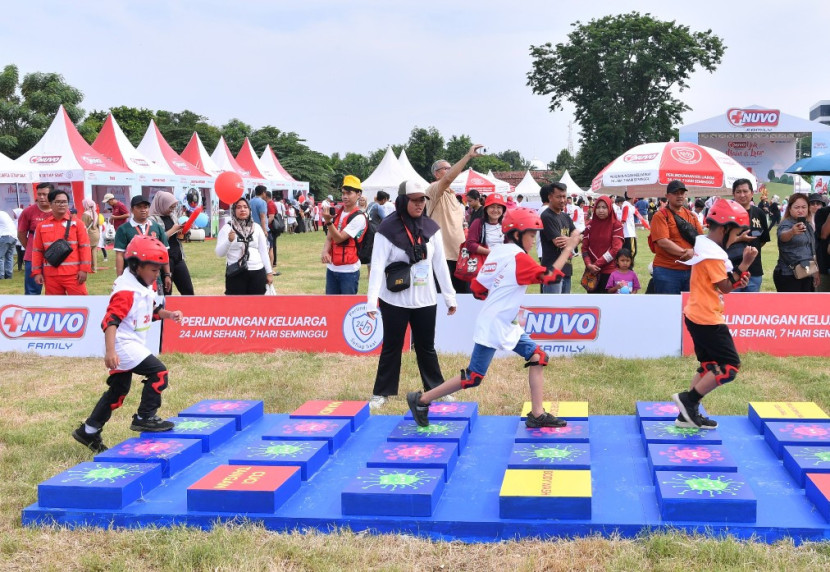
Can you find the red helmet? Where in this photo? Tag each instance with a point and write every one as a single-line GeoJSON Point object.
{"type": "Point", "coordinates": [495, 199]}
{"type": "Point", "coordinates": [725, 212]}
{"type": "Point", "coordinates": [146, 248]}
{"type": "Point", "coordinates": [521, 219]}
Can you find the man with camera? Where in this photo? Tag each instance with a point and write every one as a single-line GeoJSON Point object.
{"type": "Point", "coordinates": [340, 248]}
{"type": "Point", "coordinates": [445, 209]}
{"type": "Point", "coordinates": [757, 236]}
{"type": "Point", "coordinates": [673, 232]}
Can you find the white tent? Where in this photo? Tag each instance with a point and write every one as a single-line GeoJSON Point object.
{"type": "Point", "coordinates": [196, 154]}
{"type": "Point", "coordinates": [386, 177]}
{"type": "Point", "coordinates": [573, 188]}
{"type": "Point", "coordinates": [225, 160]}
{"type": "Point", "coordinates": [502, 187]}
{"type": "Point", "coordinates": [409, 170]}
{"type": "Point", "coordinates": [14, 185]}
{"type": "Point", "coordinates": [528, 187]}
{"type": "Point", "coordinates": [271, 162]}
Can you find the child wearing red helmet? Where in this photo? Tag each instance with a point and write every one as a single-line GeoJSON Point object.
{"type": "Point", "coordinates": [713, 276]}
{"type": "Point", "coordinates": [502, 282]}
{"type": "Point", "coordinates": [129, 313]}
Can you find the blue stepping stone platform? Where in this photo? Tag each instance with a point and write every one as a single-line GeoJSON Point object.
{"type": "Point", "coordinates": [800, 460]}
{"type": "Point", "coordinates": [573, 432]}
{"type": "Point", "coordinates": [212, 431]}
{"type": "Point", "coordinates": [308, 455]}
{"type": "Point", "coordinates": [688, 457]}
{"type": "Point", "coordinates": [781, 433]}
{"type": "Point", "coordinates": [437, 432]}
{"type": "Point", "coordinates": [332, 431]}
{"type": "Point", "coordinates": [576, 456]}
{"type": "Point", "coordinates": [172, 455]}
{"type": "Point", "coordinates": [705, 496]}
{"type": "Point", "coordinates": [416, 455]}
{"type": "Point", "coordinates": [660, 411]}
{"type": "Point", "coordinates": [665, 432]}
{"type": "Point", "coordinates": [244, 412]}
{"type": "Point", "coordinates": [102, 485]}
{"type": "Point", "coordinates": [451, 411]}
{"type": "Point", "coordinates": [393, 491]}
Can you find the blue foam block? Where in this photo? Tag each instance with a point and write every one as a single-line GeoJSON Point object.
{"type": "Point", "coordinates": [308, 455]}
{"type": "Point", "coordinates": [335, 432]}
{"type": "Point", "coordinates": [172, 455]}
{"type": "Point", "coordinates": [666, 432]}
{"type": "Point", "coordinates": [357, 412]}
{"type": "Point", "coordinates": [550, 456]}
{"type": "Point", "coordinates": [393, 492]}
{"type": "Point", "coordinates": [546, 494]}
{"type": "Point", "coordinates": [573, 432]}
{"type": "Point", "coordinates": [800, 460]}
{"type": "Point", "coordinates": [780, 433]}
{"type": "Point", "coordinates": [817, 490]}
{"type": "Point", "coordinates": [452, 411]}
{"type": "Point", "coordinates": [213, 431]}
{"type": "Point", "coordinates": [688, 457]}
{"type": "Point", "coordinates": [659, 411]}
{"type": "Point", "coordinates": [436, 432]}
{"type": "Point", "coordinates": [94, 485]}
{"type": "Point", "coordinates": [704, 496]}
{"type": "Point", "coordinates": [243, 489]}
{"type": "Point", "coordinates": [243, 411]}
{"type": "Point", "coordinates": [416, 455]}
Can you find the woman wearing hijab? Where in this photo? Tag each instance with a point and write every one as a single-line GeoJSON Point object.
{"type": "Point", "coordinates": [245, 246]}
{"type": "Point", "coordinates": [602, 239]}
{"type": "Point", "coordinates": [411, 241]}
{"type": "Point", "coordinates": [90, 221]}
{"type": "Point", "coordinates": [163, 210]}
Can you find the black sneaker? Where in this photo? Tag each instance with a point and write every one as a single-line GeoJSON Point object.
{"type": "Point", "coordinates": [154, 424]}
{"type": "Point", "coordinates": [544, 420]}
{"type": "Point", "coordinates": [419, 412]}
{"type": "Point", "coordinates": [690, 416]}
{"type": "Point", "coordinates": [92, 442]}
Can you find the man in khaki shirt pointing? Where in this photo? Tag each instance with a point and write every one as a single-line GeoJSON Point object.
{"type": "Point", "coordinates": [445, 209]}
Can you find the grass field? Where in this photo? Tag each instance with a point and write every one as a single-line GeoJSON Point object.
{"type": "Point", "coordinates": [43, 399]}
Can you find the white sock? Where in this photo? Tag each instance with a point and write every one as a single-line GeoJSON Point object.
{"type": "Point", "coordinates": [90, 430]}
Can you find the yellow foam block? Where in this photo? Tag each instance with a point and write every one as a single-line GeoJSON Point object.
{"type": "Point", "coordinates": [788, 410]}
{"type": "Point", "coordinates": [545, 483]}
{"type": "Point", "coordinates": [570, 409]}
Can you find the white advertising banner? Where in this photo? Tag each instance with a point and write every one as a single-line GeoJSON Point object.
{"type": "Point", "coordinates": [616, 325]}
{"type": "Point", "coordinates": [759, 155]}
{"type": "Point", "coordinates": [59, 325]}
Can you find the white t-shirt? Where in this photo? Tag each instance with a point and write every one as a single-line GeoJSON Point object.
{"type": "Point", "coordinates": [493, 235]}
{"type": "Point", "coordinates": [353, 229]}
{"type": "Point", "coordinates": [233, 251]}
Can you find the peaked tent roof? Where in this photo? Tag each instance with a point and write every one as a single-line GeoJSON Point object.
{"type": "Point", "coordinates": [113, 144]}
{"type": "Point", "coordinates": [159, 151]}
{"type": "Point", "coordinates": [248, 159]}
{"type": "Point", "coordinates": [225, 160]}
{"type": "Point", "coordinates": [387, 176]}
{"type": "Point", "coordinates": [501, 186]}
{"type": "Point", "coordinates": [409, 170]}
{"type": "Point", "coordinates": [470, 179]}
{"type": "Point", "coordinates": [271, 163]}
{"type": "Point", "coordinates": [63, 155]}
{"type": "Point", "coordinates": [11, 172]}
{"type": "Point", "coordinates": [573, 188]}
{"type": "Point", "coordinates": [196, 154]}
{"type": "Point", "coordinates": [528, 186]}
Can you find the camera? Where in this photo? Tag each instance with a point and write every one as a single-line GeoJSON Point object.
{"type": "Point", "coordinates": [756, 232]}
{"type": "Point", "coordinates": [419, 252]}
{"type": "Point", "coordinates": [332, 211]}
{"type": "Point", "coordinates": [482, 150]}
{"type": "Point", "coordinates": [801, 219]}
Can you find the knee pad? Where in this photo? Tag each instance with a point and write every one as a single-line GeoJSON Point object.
{"type": "Point", "coordinates": [158, 381]}
{"type": "Point", "coordinates": [708, 366]}
{"type": "Point", "coordinates": [117, 404]}
{"type": "Point", "coordinates": [726, 374]}
{"type": "Point", "coordinates": [543, 358]}
{"type": "Point", "coordinates": [470, 379]}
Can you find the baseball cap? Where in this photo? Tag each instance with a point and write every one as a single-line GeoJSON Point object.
{"type": "Point", "coordinates": [331, 198]}
{"type": "Point", "coordinates": [108, 197]}
{"type": "Point", "coordinates": [352, 182]}
{"type": "Point", "coordinates": [412, 188]}
{"type": "Point", "coordinates": [675, 186]}
{"type": "Point", "coordinates": [816, 198]}
{"type": "Point", "coordinates": [138, 200]}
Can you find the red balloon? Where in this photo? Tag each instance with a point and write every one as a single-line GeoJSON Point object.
{"type": "Point", "coordinates": [196, 212]}
{"type": "Point", "coordinates": [229, 187]}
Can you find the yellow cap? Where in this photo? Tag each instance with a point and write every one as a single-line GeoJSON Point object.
{"type": "Point", "coordinates": [352, 182]}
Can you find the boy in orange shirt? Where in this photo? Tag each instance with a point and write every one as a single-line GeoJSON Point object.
{"type": "Point", "coordinates": [712, 277]}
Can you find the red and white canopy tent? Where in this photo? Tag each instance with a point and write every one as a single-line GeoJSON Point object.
{"type": "Point", "coordinates": [272, 163]}
{"type": "Point", "coordinates": [14, 186]}
{"type": "Point", "coordinates": [152, 177]}
{"type": "Point", "coordinates": [469, 180]}
{"type": "Point", "coordinates": [196, 154]}
{"type": "Point", "coordinates": [247, 159]}
{"type": "Point", "coordinates": [159, 151]}
{"type": "Point", "coordinates": [62, 157]}
{"type": "Point", "coordinates": [225, 160]}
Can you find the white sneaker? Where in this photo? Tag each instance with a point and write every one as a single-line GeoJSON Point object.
{"type": "Point", "coordinates": [377, 401]}
{"type": "Point", "coordinates": [449, 399]}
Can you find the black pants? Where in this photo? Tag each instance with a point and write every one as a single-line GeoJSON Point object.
{"type": "Point", "coordinates": [272, 240]}
{"type": "Point", "coordinates": [180, 276]}
{"type": "Point", "coordinates": [20, 253]}
{"type": "Point", "coordinates": [249, 282]}
{"type": "Point", "coordinates": [789, 283]}
{"type": "Point", "coordinates": [460, 286]}
{"type": "Point", "coordinates": [422, 322]}
{"type": "Point", "coordinates": [631, 244]}
{"type": "Point", "coordinates": [119, 386]}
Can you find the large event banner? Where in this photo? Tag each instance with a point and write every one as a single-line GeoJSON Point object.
{"type": "Point", "coordinates": [628, 326]}
{"type": "Point", "coordinates": [58, 325]}
{"type": "Point", "coordinates": [234, 324]}
{"type": "Point", "coordinates": [779, 324]}
{"type": "Point", "coordinates": [759, 155]}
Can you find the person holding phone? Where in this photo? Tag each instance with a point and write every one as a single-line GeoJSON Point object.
{"type": "Point", "coordinates": [796, 246]}
{"type": "Point", "coordinates": [757, 235]}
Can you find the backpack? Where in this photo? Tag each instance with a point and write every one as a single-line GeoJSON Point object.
{"type": "Point", "coordinates": [366, 242]}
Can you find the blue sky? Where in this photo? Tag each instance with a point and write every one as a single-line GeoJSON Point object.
{"type": "Point", "coordinates": [356, 76]}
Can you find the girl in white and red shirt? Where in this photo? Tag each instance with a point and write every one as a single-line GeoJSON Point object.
{"type": "Point", "coordinates": [502, 282]}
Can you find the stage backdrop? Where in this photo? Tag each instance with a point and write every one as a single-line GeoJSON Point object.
{"type": "Point", "coordinates": [234, 324]}
{"type": "Point", "coordinates": [58, 325]}
{"type": "Point", "coordinates": [618, 325]}
{"type": "Point", "coordinates": [776, 324]}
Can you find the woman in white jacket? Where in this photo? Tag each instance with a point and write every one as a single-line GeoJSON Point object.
{"type": "Point", "coordinates": [245, 247]}
{"type": "Point", "coordinates": [408, 237]}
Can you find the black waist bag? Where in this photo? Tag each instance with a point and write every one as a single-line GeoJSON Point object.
{"type": "Point", "coordinates": [397, 276]}
{"type": "Point", "coordinates": [59, 250]}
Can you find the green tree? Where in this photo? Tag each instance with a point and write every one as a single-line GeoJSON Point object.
{"type": "Point", "coordinates": [514, 159]}
{"type": "Point", "coordinates": [620, 73]}
{"type": "Point", "coordinates": [133, 121]}
{"type": "Point", "coordinates": [771, 175]}
{"type": "Point", "coordinates": [489, 163]}
{"type": "Point", "coordinates": [178, 128]}
{"type": "Point", "coordinates": [564, 161]}
{"type": "Point", "coordinates": [351, 164]}
{"type": "Point", "coordinates": [235, 132]}
{"type": "Point", "coordinates": [425, 146]}
{"type": "Point", "coordinates": [456, 148]}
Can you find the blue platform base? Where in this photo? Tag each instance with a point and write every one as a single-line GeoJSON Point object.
{"type": "Point", "coordinates": [99, 485]}
{"type": "Point", "coordinates": [623, 496]}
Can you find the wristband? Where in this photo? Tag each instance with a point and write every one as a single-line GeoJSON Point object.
{"type": "Point", "coordinates": [165, 275]}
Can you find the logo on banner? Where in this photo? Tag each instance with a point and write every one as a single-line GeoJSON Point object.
{"type": "Point", "coordinates": [543, 324]}
{"type": "Point", "coordinates": [19, 322]}
{"type": "Point", "coordinates": [140, 162]}
{"type": "Point", "coordinates": [639, 157]}
{"type": "Point", "coordinates": [362, 333]}
{"type": "Point", "coordinates": [686, 155]}
{"type": "Point", "coordinates": [753, 117]}
{"type": "Point", "coordinates": [92, 160]}
{"type": "Point", "coordinates": [44, 159]}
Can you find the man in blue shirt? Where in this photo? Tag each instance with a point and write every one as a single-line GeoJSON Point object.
{"type": "Point", "coordinates": [642, 208]}
{"type": "Point", "coordinates": [259, 208]}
